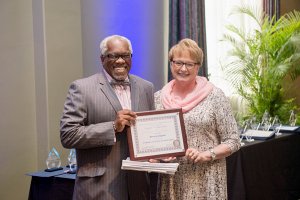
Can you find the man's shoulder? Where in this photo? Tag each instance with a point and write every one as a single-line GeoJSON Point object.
{"type": "Point", "coordinates": [90, 79]}
{"type": "Point", "coordinates": [140, 80]}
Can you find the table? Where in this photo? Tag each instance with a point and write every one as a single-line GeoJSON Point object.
{"type": "Point", "coordinates": [259, 170]}
{"type": "Point", "coordinates": [56, 185]}
{"type": "Point", "coordinates": [266, 170]}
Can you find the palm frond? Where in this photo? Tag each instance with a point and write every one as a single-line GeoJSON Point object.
{"type": "Point", "coordinates": [263, 58]}
{"type": "Point", "coordinates": [252, 12]}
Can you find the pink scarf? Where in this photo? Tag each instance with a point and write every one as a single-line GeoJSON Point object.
{"type": "Point", "coordinates": [201, 91]}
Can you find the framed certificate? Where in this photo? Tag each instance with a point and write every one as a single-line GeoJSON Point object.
{"type": "Point", "coordinates": [157, 134]}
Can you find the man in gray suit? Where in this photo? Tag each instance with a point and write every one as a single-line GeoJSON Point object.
{"type": "Point", "coordinates": [97, 112]}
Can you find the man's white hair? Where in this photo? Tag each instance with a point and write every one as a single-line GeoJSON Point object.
{"type": "Point", "coordinates": [103, 44]}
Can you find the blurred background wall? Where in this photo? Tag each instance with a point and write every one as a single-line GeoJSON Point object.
{"type": "Point", "coordinates": [45, 45]}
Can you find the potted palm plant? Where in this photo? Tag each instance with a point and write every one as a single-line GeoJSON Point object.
{"type": "Point", "coordinates": [263, 59]}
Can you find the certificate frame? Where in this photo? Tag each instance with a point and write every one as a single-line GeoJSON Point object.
{"type": "Point", "coordinates": [157, 134]}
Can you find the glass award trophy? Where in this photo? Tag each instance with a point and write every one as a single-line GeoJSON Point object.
{"type": "Point", "coordinates": [53, 161]}
{"type": "Point", "coordinates": [248, 125]}
{"type": "Point", "coordinates": [265, 121]}
{"type": "Point", "coordinates": [293, 118]}
{"type": "Point", "coordinates": [72, 161]}
{"type": "Point", "coordinates": [276, 124]}
{"type": "Point", "coordinates": [244, 134]}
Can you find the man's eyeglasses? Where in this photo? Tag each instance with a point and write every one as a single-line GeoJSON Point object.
{"type": "Point", "coordinates": [179, 64]}
{"type": "Point", "coordinates": [112, 56]}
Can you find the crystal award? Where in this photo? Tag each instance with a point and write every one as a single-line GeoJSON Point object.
{"type": "Point", "coordinates": [53, 161]}
{"type": "Point", "coordinates": [293, 118]}
{"type": "Point", "coordinates": [266, 121]}
{"type": "Point", "coordinates": [72, 160]}
{"type": "Point", "coordinates": [276, 124]}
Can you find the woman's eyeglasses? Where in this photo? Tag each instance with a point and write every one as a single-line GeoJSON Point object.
{"type": "Point", "coordinates": [179, 64]}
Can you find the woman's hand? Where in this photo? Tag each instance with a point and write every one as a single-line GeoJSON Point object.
{"type": "Point", "coordinates": [195, 156]}
{"type": "Point", "coordinates": [169, 159]}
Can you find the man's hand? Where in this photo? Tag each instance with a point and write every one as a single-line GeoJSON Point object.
{"type": "Point", "coordinates": [124, 118]}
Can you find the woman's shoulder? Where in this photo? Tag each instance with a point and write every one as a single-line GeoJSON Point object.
{"type": "Point", "coordinates": [218, 98]}
{"type": "Point", "coordinates": [217, 92]}
{"type": "Point", "coordinates": [157, 100]}
{"type": "Point", "coordinates": [157, 93]}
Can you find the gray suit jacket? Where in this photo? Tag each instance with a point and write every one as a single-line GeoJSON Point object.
{"type": "Point", "coordinates": [86, 125]}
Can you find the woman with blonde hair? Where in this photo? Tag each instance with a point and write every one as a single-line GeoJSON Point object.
{"type": "Point", "coordinates": [212, 132]}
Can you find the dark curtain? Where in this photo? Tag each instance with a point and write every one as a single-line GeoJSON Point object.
{"type": "Point", "coordinates": [187, 20]}
{"type": "Point", "coordinates": [272, 8]}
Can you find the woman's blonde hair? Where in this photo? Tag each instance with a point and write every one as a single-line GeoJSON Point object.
{"type": "Point", "coordinates": [187, 45]}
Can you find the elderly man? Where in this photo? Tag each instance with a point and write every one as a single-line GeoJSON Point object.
{"type": "Point", "coordinates": [97, 112]}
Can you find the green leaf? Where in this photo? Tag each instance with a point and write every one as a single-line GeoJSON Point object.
{"type": "Point", "coordinates": [261, 59]}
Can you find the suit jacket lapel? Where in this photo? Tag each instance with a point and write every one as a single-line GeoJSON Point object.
{"type": "Point", "coordinates": [109, 92]}
{"type": "Point", "coordinates": [134, 94]}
